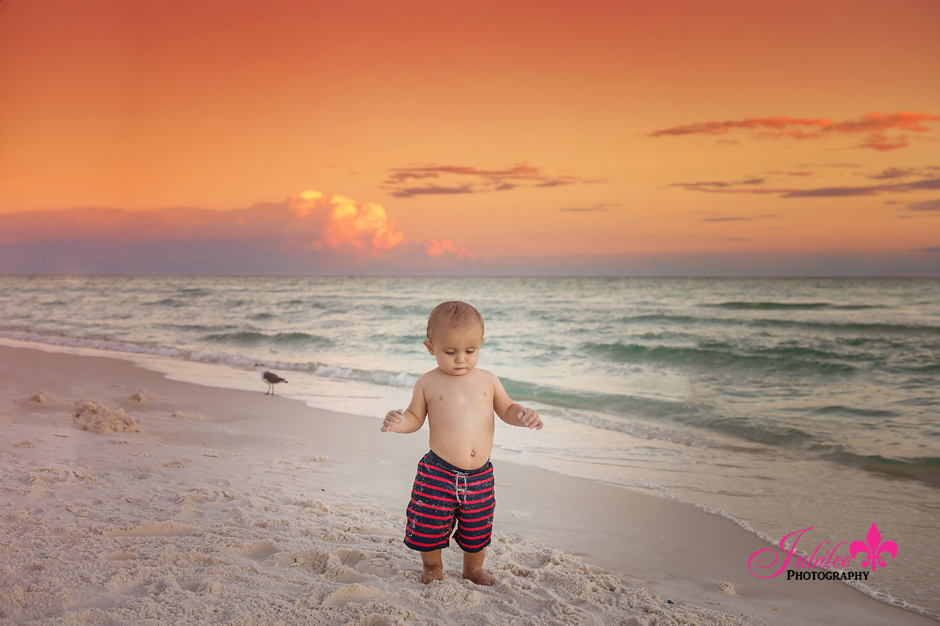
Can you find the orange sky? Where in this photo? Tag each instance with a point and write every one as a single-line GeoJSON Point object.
{"type": "Point", "coordinates": [504, 128]}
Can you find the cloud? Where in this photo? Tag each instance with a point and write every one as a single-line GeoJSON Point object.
{"type": "Point", "coordinates": [881, 143]}
{"type": "Point", "coordinates": [738, 219]}
{"type": "Point", "coordinates": [409, 258]}
{"type": "Point", "coordinates": [721, 186]}
{"type": "Point", "coordinates": [408, 182]}
{"type": "Point", "coordinates": [792, 173]}
{"type": "Point", "coordinates": [343, 222]}
{"type": "Point", "coordinates": [822, 192]}
{"type": "Point", "coordinates": [897, 172]}
{"type": "Point", "coordinates": [783, 127]}
{"type": "Point", "coordinates": [721, 128]}
{"type": "Point", "coordinates": [428, 190]}
{"type": "Point", "coordinates": [603, 206]}
{"type": "Point", "coordinates": [354, 224]}
{"type": "Point", "coordinates": [892, 173]}
{"type": "Point", "coordinates": [732, 187]}
{"type": "Point", "coordinates": [933, 183]}
{"type": "Point", "coordinates": [307, 220]}
{"type": "Point", "coordinates": [307, 229]}
{"type": "Point", "coordinates": [435, 248]}
{"type": "Point", "coordinates": [827, 165]}
{"type": "Point", "coordinates": [928, 205]}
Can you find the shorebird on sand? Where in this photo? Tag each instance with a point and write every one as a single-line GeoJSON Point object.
{"type": "Point", "coordinates": [271, 378]}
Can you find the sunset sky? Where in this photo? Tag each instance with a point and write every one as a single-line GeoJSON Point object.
{"type": "Point", "coordinates": [634, 138]}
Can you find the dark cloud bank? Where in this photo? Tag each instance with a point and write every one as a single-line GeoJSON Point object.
{"type": "Point", "coordinates": [258, 258]}
{"type": "Point", "coordinates": [317, 236]}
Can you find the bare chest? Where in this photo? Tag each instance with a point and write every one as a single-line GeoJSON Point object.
{"type": "Point", "coordinates": [467, 401]}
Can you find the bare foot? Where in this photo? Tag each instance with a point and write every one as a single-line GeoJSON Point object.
{"type": "Point", "coordinates": [478, 576]}
{"type": "Point", "coordinates": [434, 572]}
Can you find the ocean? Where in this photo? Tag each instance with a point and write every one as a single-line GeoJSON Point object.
{"type": "Point", "coordinates": [779, 403]}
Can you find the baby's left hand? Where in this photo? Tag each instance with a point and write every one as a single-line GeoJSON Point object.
{"type": "Point", "coordinates": [531, 419]}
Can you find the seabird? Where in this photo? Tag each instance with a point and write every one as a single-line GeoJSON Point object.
{"type": "Point", "coordinates": [272, 379]}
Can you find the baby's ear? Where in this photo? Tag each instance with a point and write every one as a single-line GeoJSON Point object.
{"type": "Point", "coordinates": [429, 346]}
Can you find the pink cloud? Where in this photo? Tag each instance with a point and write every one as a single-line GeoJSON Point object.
{"type": "Point", "coordinates": [809, 128]}
{"type": "Point", "coordinates": [881, 143]}
{"type": "Point", "coordinates": [308, 220]}
{"type": "Point", "coordinates": [435, 248]}
{"type": "Point", "coordinates": [753, 123]}
{"type": "Point", "coordinates": [309, 231]}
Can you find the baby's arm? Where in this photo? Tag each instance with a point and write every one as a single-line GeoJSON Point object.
{"type": "Point", "coordinates": [511, 412]}
{"type": "Point", "coordinates": [412, 418]}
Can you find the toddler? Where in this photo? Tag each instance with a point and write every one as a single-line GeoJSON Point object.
{"type": "Point", "coordinates": [454, 483]}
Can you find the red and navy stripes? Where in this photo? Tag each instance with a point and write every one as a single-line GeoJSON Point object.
{"type": "Point", "coordinates": [445, 496]}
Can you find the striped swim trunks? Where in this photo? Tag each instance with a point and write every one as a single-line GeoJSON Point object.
{"type": "Point", "coordinates": [445, 496]}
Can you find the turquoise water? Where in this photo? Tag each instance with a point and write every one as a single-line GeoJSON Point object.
{"type": "Point", "coordinates": [785, 395]}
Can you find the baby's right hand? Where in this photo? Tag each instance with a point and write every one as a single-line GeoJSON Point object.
{"type": "Point", "coordinates": [393, 422]}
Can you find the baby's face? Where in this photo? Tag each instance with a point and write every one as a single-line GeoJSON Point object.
{"type": "Point", "coordinates": [456, 349]}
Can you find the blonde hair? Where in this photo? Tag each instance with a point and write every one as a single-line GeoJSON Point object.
{"type": "Point", "coordinates": [455, 313]}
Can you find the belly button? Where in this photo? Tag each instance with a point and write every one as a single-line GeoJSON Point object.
{"type": "Point", "coordinates": [472, 453]}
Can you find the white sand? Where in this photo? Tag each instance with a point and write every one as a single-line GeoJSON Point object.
{"type": "Point", "coordinates": [129, 498]}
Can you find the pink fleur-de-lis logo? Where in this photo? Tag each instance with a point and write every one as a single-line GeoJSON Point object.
{"type": "Point", "coordinates": [874, 549]}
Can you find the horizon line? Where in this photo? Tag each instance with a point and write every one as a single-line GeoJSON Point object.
{"type": "Point", "coordinates": [579, 276]}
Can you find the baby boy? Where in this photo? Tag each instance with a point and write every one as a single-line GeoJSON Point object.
{"type": "Point", "coordinates": [454, 484]}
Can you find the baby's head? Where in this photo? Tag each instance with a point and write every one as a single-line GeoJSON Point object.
{"type": "Point", "coordinates": [455, 333]}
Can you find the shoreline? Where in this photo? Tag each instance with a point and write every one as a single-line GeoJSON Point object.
{"type": "Point", "coordinates": [678, 551]}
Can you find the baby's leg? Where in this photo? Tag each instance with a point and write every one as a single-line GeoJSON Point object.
{"type": "Point", "coordinates": [473, 568]}
{"type": "Point", "coordinates": [433, 566]}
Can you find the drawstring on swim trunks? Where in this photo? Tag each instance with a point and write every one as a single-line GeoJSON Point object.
{"type": "Point", "coordinates": [460, 489]}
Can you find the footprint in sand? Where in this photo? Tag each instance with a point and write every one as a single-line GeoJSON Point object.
{"type": "Point", "coordinates": [142, 398]}
{"type": "Point", "coordinates": [364, 563]}
{"type": "Point", "coordinates": [258, 551]}
{"type": "Point", "coordinates": [350, 558]}
{"type": "Point", "coordinates": [351, 593]}
{"type": "Point", "coordinates": [156, 529]}
{"type": "Point", "coordinates": [41, 399]}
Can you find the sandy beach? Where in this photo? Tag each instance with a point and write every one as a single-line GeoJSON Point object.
{"type": "Point", "coordinates": [130, 498]}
